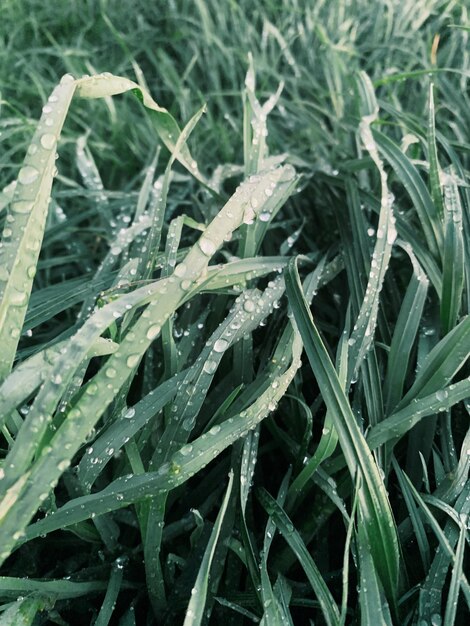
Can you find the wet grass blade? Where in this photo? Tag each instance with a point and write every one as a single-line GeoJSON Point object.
{"type": "Point", "coordinates": [195, 610]}
{"type": "Point", "coordinates": [374, 504]}
{"type": "Point", "coordinates": [24, 231]}
{"type": "Point", "coordinates": [453, 272]}
{"type": "Point", "coordinates": [293, 538]}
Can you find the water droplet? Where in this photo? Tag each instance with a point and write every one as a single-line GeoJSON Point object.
{"type": "Point", "coordinates": [129, 414]}
{"type": "Point", "coordinates": [111, 372]}
{"type": "Point", "coordinates": [32, 149]}
{"type": "Point", "coordinates": [48, 141]}
{"type": "Point", "coordinates": [28, 174]}
{"type": "Point", "coordinates": [209, 367]}
{"type": "Point", "coordinates": [63, 465]}
{"type": "Point", "coordinates": [91, 389]}
{"type": "Point", "coordinates": [185, 450]}
{"type": "Point", "coordinates": [18, 298]}
{"type": "Point", "coordinates": [207, 246]}
{"type": "Point", "coordinates": [249, 306]}
{"type": "Point", "coordinates": [265, 216]}
{"type": "Point", "coordinates": [153, 331]}
{"type": "Point", "coordinates": [180, 270]}
{"type": "Point", "coordinates": [22, 206]}
{"type": "Point", "coordinates": [132, 360]}
{"type": "Point", "coordinates": [220, 345]}
{"type": "Point", "coordinates": [67, 79]}
{"type": "Point", "coordinates": [214, 430]}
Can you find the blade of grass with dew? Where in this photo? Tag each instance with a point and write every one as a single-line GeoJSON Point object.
{"type": "Point", "coordinates": [195, 611]}
{"type": "Point", "coordinates": [102, 389]}
{"type": "Point", "coordinates": [402, 420]}
{"type": "Point", "coordinates": [22, 237]}
{"type": "Point", "coordinates": [126, 426]}
{"type": "Point", "coordinates": [417, 190]}
{"type": "Point", "coordinates": [29, 374]}
{"type": "Point", "coordinates": [415, 518]}
{"type": "Point", "coordinates": [275, 613]}
{"type": "Point", "coordinates": [434, 168]}
{"type": "Point", "coordinates": [453, 270]}
{"type": "Point", "coordinates": [112, 592]}
{"type": "Point", "coordinates": [92, 179]}
{"type": "Point", "coordinates": [11, 587]}
{"type": "Point", "coordinates": [431, 591]}
{"type": "Point", "coordinates": [455, 580]}
{"type": "Point", "coordinates": [374, 504]}
{"type": "Point", "coordinates": [347, 548]}
{"type": "Point", "coordinates": [441, 364]}
{"type": "Point", "coordinates": [373, 606]}
{"type": "Point", "coordinates": [293, 538]}
{"type": "Point", "coordinates": [25, 610]}
{"type": "Point", "coordinates": [404, 335]}
{"type": "Point", "coordinates": [181, 467]}
{"type": "Point", "coordinates": [182, 415]}
{"type": "Point", "coordinates": [364, 329]}
{"type": "Point", "coordinates": [103, 85]}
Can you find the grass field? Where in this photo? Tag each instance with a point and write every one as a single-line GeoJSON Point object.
{"type": "Point", "coordinates": [234, 330]}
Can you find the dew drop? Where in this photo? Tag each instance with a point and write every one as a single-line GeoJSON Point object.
{"type": "Point", "coordinates": [265, 216]}
{"type": "Point", "coordinates": [249, 306]}
{"type": "Point", "coordinates": [220, 345]}
{"type": "Point", "coordinates": [185, 450]}
{"type": "Point", "coordinates": [132, 360]}
{"type": "Point", "coordinates": [207, 246]}
{"type": "Point", "coordinates": [153, 331]}
{"type": "Point", "coordinates": [180, 270]}
{"type": "Point", "coordinates": [209, 367]}
{"type": "Point", "coordinates": [111, 372]}
{"type": "Point", "coordinates": [28, 174]}
{"type": "Point", "coordinates": [22, 206]}
{"type": "Point", "coordinates": [48, 141]}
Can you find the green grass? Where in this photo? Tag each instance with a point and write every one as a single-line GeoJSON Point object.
{"type": "Point", "coordinates": [234, 327]}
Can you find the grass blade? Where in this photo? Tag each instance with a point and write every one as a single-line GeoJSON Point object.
{"type": "Point", "coordinates": [374, 504]}
{"type": "Point", "coordinates": [195, 610]}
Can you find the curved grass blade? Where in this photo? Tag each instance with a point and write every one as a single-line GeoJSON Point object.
{"type": "Point", "coordinates": [24, 230]}
{"type": "Point", "coordinates": [275, 612]}
{"type": "Point", "coordinates": [404, 335]}
{"type": "Point", "coordinates": [374, 503]}
{"type": "Point", "coordinates": [182, 466]}
{"type": "Point", "coordinates": [25, 610]}
{"type": "Point", "coordinates": [102, 389]}
{"type": "Point", "coordinates": [455, 581]}
{"type": "Point", "coordinates": [373, 606]}
{"type": "Point", "coordinates": [195, 610]}
{"type": "Point", "coordinates": [400, 422]}
{"type": "Point", "coordinates": [11, 587]}
{"type": "Point", "coordinates": [364, 328]}
{"type": "Point", "coordinates": [123, 429]}
{"type": "Point", "coordinates": [293, 538]}
{"type": "Point", "coordinates": [417, 190]}
{"type": "Point", "coordinates": [441, 364]}
{"type": "Point", "coordinates": [112, 592]}
{"type": "Point", "coordinates": [103, 85]}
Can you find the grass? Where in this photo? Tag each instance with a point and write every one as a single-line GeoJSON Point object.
{"type": "Point", "coordinates": [234, 314]}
